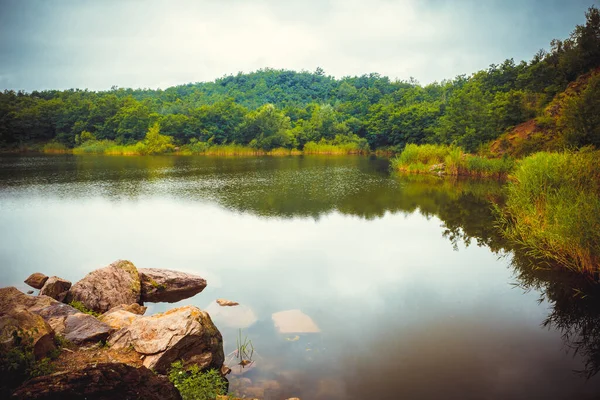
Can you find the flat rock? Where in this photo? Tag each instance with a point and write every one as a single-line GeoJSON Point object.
{"type": "Point", "coordinates": [163, 285]}
{"type": "Point", "coordinates": [100, 382]}
{"type": "Point", "coordinates": [55, 287]}
{"type": "Point", "coordinates": [118, 319]}
{"type": "Point", "coordinates": [132, 308]}
{"type": "Point", "coordinates": [240, 316]}
{"type": "Point", "coordinates": [36, 280]}
{"type": "Point", "coordinates": [294, 321]}
{"type": "Point", "coordinates": [105, 288]}
{"type": "Point", "coordinates": [73, 325]}
{"type": "Point", "coordinates": [185, 333]}
{"type": "Point", "coordinates": [227, 303]}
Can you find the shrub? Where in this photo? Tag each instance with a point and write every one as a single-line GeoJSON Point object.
{"type": "Point", "coordinates": [194, 384]}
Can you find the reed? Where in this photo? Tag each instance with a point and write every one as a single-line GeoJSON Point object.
{"type": "Point", "coordinates": [553, 209]}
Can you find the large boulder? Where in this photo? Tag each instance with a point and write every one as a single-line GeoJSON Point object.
{"type": "Point", "coordinates": [100, 382]}
{"type": "Point", "coordinates": [184, 333]}
{"type": "Point", "coordinates": [55, 287]}
{"type": "Point", "coordinates": [24, 328]}
{"type": "Point", "coordinates": [19, 325]}
{"type": "Point", "coordinates": [73, 325]}
{"type": "Point", "coordinates": [163, 285]}
{"type": "Point", "coordinates": [36, 280]}
{"type": "Point", "coordinates": [105, 288]}
{"type": "Point", "coordinates": [63, 319]}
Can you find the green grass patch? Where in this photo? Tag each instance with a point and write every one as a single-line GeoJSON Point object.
{"type": "Point", "coordinates": [55, 148]}
{"type": "Point", "coordinates": [450, 160]}
{"type": "Point", "coordinates": [553, 209]}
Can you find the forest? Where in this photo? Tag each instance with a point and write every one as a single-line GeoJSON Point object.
{"type": "Point", "coordinates": [281, 109]}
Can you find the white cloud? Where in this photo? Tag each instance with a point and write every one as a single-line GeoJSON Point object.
{"type": "Point", "coordinates": [159, 43]}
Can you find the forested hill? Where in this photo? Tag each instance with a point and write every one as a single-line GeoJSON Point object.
{"type": "Point", "coordinates": [279, 108]}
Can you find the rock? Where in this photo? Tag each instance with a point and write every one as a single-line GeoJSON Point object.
{"type": "Point", "coordinates": [232, 317]}
{"type": "Point", "coordinates": [163, 285]}
{"type": "Point", "coordinates": [56, 288]}
{"type": "Point", "coordinates": [100, 382]}
{"type": "Point", "coordinates": [105, 288]}
{"type": "Point", "coordinates": [73, 325]}
{"type": "Point", "coordinates": [132, 308]}
{"type": "Point", "coordinates": [23, 326]}
{"type": "Point", "coordinates": [16, 316]}
{"type": "Point", "coordinates": [118, 319]}
{"type": "Point", "coordinates": [227, 303]}
{"type": "Point", "coordinates": [184, 333]}
{"type": "Point", "coordinates": [36, 280]}
{"type": "Point", "coordinates": [294, 321]}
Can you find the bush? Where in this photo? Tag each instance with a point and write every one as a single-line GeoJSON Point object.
{"type": "Point", "coordinates": [194, 384]}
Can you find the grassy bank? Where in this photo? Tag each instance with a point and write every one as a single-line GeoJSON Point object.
{"type": "Point", "coordinates": [553, 209]}
{"type": "Point", "coordinates": [450, 160]}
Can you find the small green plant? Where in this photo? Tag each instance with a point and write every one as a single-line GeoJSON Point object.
{"type": "Point", "coordinates": [194, 384]}
{"type": "Point", "coordinates": [245, 350]}
{"type": "Point", "coordinates": [81, 307]}
{"type": "Point", "coordinates": [18, 363]}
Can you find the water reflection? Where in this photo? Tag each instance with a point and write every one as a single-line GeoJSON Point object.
{"type": "Point", "coordinates": [370, 257]}
{"type": "Point", "coordinates": [575, 307]}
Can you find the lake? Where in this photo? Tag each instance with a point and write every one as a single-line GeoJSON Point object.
{"type": "Point", "coordinates": [401, 284]}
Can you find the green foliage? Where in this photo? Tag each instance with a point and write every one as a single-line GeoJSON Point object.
{"type": "Point", "coordinates": [18, 363]}
{"type": "Point", "coordinates": [81, 307]}
{"type": "Point", "coordinates": [553, 208]}
{"type": "Point", "coordinates": [155, 143]}
{"type": "Point", "coordinates": [580, 118]}
{"type": "Point", "coordinates": [194, 384]}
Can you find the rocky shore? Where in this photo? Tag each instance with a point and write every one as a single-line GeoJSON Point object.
{"type": "Point", "coordinates": [103, 345]}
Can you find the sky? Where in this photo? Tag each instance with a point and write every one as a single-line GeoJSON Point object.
{"type": "Point", "coordinates": [63, 44]}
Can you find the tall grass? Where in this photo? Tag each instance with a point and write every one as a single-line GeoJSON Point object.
{"type": "Point", "coordinates": [450, 160]}
{"type": "Point", "coordinates": [553, 208]}
{"type": "Point", "coordinates": [334, 149]}
{"type": "Point", "coordinates": [56, 148]}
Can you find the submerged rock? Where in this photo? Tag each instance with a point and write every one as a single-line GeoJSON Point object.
{"type": "Point", "coordinates": [184, 333]}
{"type": "Point", "coordinates": [240, 316]}
{"type": "Point", "coordinates": [294, 321]}
{"type": "Point", "coordinates": [55, 287]}
{"type": "Point", "coordinates": [36, 280]}
{"type": "Point", "coordinates": [163, 285]}
{"type": "Point", "coordinates": [105, 288]}
{"type": "Point", "coordinates": [100, 382]}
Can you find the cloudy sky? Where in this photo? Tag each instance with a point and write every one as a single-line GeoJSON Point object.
{"type": "Point", "coordinates": [61, 44]}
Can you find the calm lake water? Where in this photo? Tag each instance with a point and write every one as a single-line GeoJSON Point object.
{"type": "Point", "coordinates": [410, 288]}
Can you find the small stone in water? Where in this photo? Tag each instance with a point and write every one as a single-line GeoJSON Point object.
{"type": "Point", "coordinates": [227, 303]}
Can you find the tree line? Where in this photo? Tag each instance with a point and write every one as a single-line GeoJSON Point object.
{"type": "Point", "coordinates": [272, 108]}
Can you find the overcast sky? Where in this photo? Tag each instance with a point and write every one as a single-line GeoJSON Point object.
{"type": "Point", "coordinates": [61, 44]}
